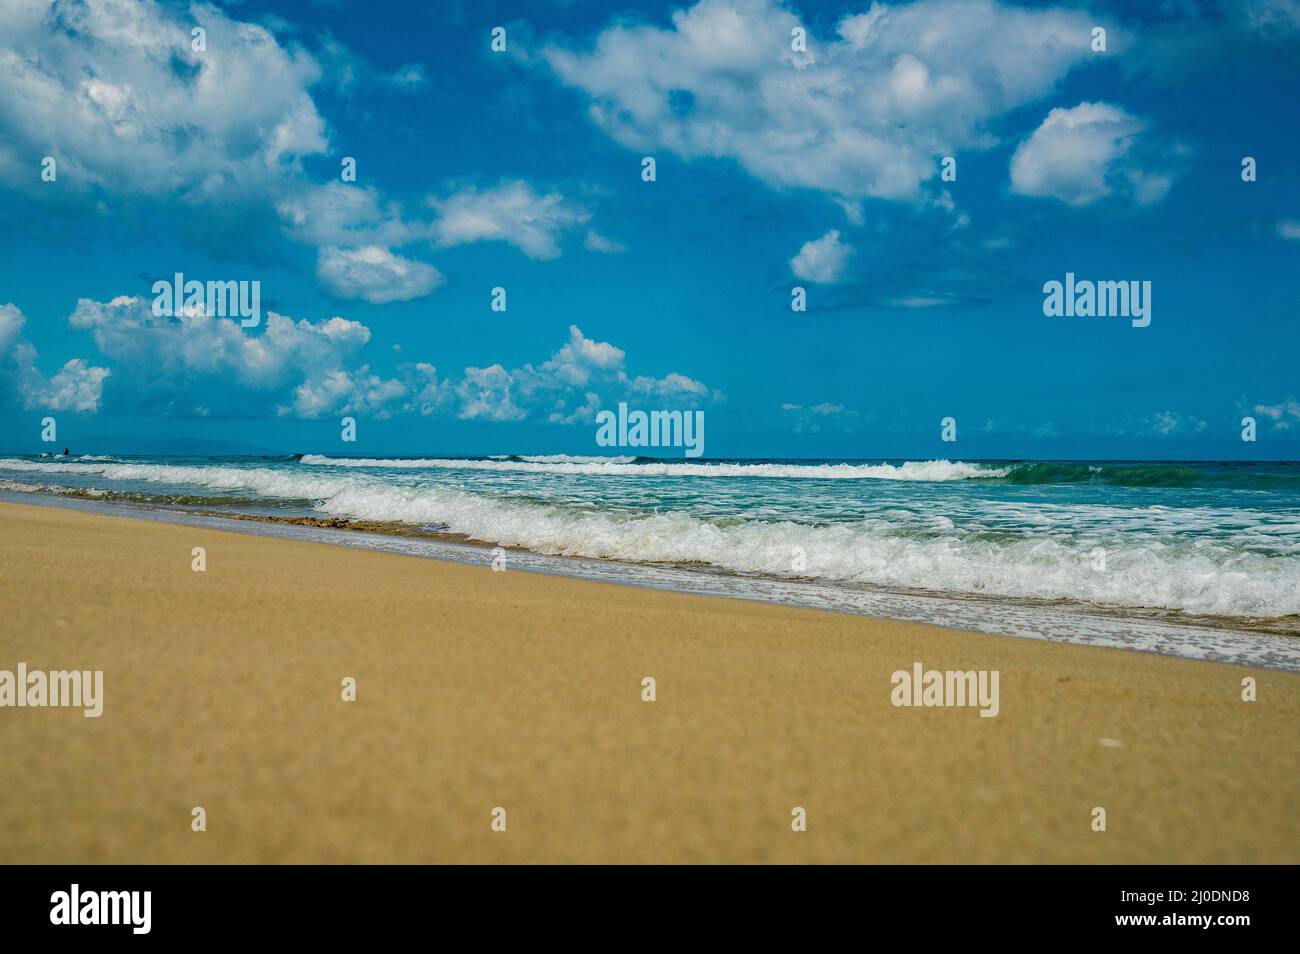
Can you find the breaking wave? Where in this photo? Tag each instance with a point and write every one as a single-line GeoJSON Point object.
{"type": "Point", "coordinates": [1220, 575]}
{"type": "Point", "coordinates": [932, 470]}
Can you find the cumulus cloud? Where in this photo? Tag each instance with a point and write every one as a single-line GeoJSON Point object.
{"type": "Point", "coordinates": [375, 274]}
{"type": "Point", "coordinates": [196, 360]}
{"type": "Point", "coordinates": [74, 387]}
{"type": "Point", "coordinates": [358, 220]}
{"type": "Point", "coordinates": [344, 392]}
{"type": "Point", "coordinates": [671, 387]}
{"type": "Point", "coordinates": [114, 91]}
{"type": "Point", "coordinates": [861, 114]}
{"type": "Point", "coordinates": [11, 326]}
{"type": "Point", "coordinates": [510, 212]}
{"type": "Point", "coordinates": [1083, 154]}
{"type": "Point", "coordinates": [822, 260]}
{"type": "Point", "coordinates": [1284, 415]}
{"type": "Point", "coordinates": [488, 394]}
{"type": "Point", "coordinates": [567, 388]}
{"type": "Point", "coordinates": [77, 386]}
{"type": "Point", "coordinates": [343, 214]}
{"type": "Point", "coordinates": [195, 363]}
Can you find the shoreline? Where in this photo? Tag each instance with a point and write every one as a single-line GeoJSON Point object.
{"type": "Point", "coordinates": [1203, 638]}
{"type": "Point", "coordinates": [478, 689]}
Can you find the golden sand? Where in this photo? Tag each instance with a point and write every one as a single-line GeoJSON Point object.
{"type": "Point", "coordinates": [478, 689]}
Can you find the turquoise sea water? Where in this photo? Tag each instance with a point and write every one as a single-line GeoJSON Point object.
{"type": "Point", "coordinates": [1206, 539]}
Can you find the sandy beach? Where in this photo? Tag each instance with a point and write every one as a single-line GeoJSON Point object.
{"type": "Point", "coordinates": [479, 689]}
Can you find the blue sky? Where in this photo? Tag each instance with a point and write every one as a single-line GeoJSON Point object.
{"type": "Point", "coordinates": [776, 168]}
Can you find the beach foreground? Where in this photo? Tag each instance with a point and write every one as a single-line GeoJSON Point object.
{"type": "Point", "coordinates": [478, 689]}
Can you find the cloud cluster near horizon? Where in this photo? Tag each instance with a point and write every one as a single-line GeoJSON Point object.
{"type": "Point", "coordinates": [199, 365]}
{"type": "Point", "coordinates": [76, 386]}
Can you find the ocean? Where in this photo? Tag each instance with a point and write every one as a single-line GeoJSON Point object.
{"type": "Point", "coordinates": [1199, 559]}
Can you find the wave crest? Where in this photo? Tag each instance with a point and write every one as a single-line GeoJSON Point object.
{"type": "Point", "coordinates": [931, 470]}
{"type": "Point", "coordinates": [1193, 573]}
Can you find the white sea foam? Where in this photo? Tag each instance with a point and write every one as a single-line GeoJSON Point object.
{"type": "Point", "coordinates": [1197, 574]}
{"type": "Point", "coordinates": [1002, 617]}
{"type": "Point", "coordinates": [1196, 578]}
{"type": "Point", "coordinates": [283, 484]}
{"type": "Point", "coordinates": [931, 470]}
{"type": "Point", "coordinates": [573, 459]}
{"type": "Point", "coordinates": [20, 487]}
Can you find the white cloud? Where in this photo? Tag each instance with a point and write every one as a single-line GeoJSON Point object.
{"type": "Point", "coordinates": [1083, 154]}
{"type": "Point", "coordinates": [127, 332]}
{"type": "Point", "coordinates": [76, 386]}
{"type": "Point", "coordinates": [356, 230]}
{"type": "Point", "coordinates": [426, 393]}
{"type": "Point", "coordinates": [580, 357]}
{"type": "Point", "coordinates": [922, 301]}
{"type": "Point", "coordinates": [488, 394]}
{"type": "Point", "coordinates": [375, 274]}
{"type": "Point", "coordinates": [199, 361]}
{"type": "Point", "coordinates": [1284, 414]}
{"type": "Point", "coordinates": [566, 388]}
{"type": "Point", "coordinates": [510, 212]}
{"type": "Point", "coordinates": [409, 77]}
{"type": "Point", "coordinates": [863, 114]}
{"type": "Point", "coordinates": [200, 364]}
{"type": "Point", "coordinates": [822, 260]}
{"type": "Point", "coordinates": [595, 242]}
{"type": "Point", "coordinates": [347, 215]}
{"type": "Point", "coordinates": [671, 387]}
{"type": "Point", "coordinates": [344, 392]}
{"type": "Point", "coordinates": [114, 92]}
{"type": "Point", "coordinates": [11, 326]}
{"type": "Point", "coordinates": [1289, 229]}
{"type": "Point", "coordinates": [584, 413]}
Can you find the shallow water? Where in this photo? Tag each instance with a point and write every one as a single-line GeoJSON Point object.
{"type": "Point", "coordinates": [1151, 555]}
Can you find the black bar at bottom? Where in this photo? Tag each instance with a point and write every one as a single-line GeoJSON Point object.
{"type": "Point", "coordinates": [371, 903]}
